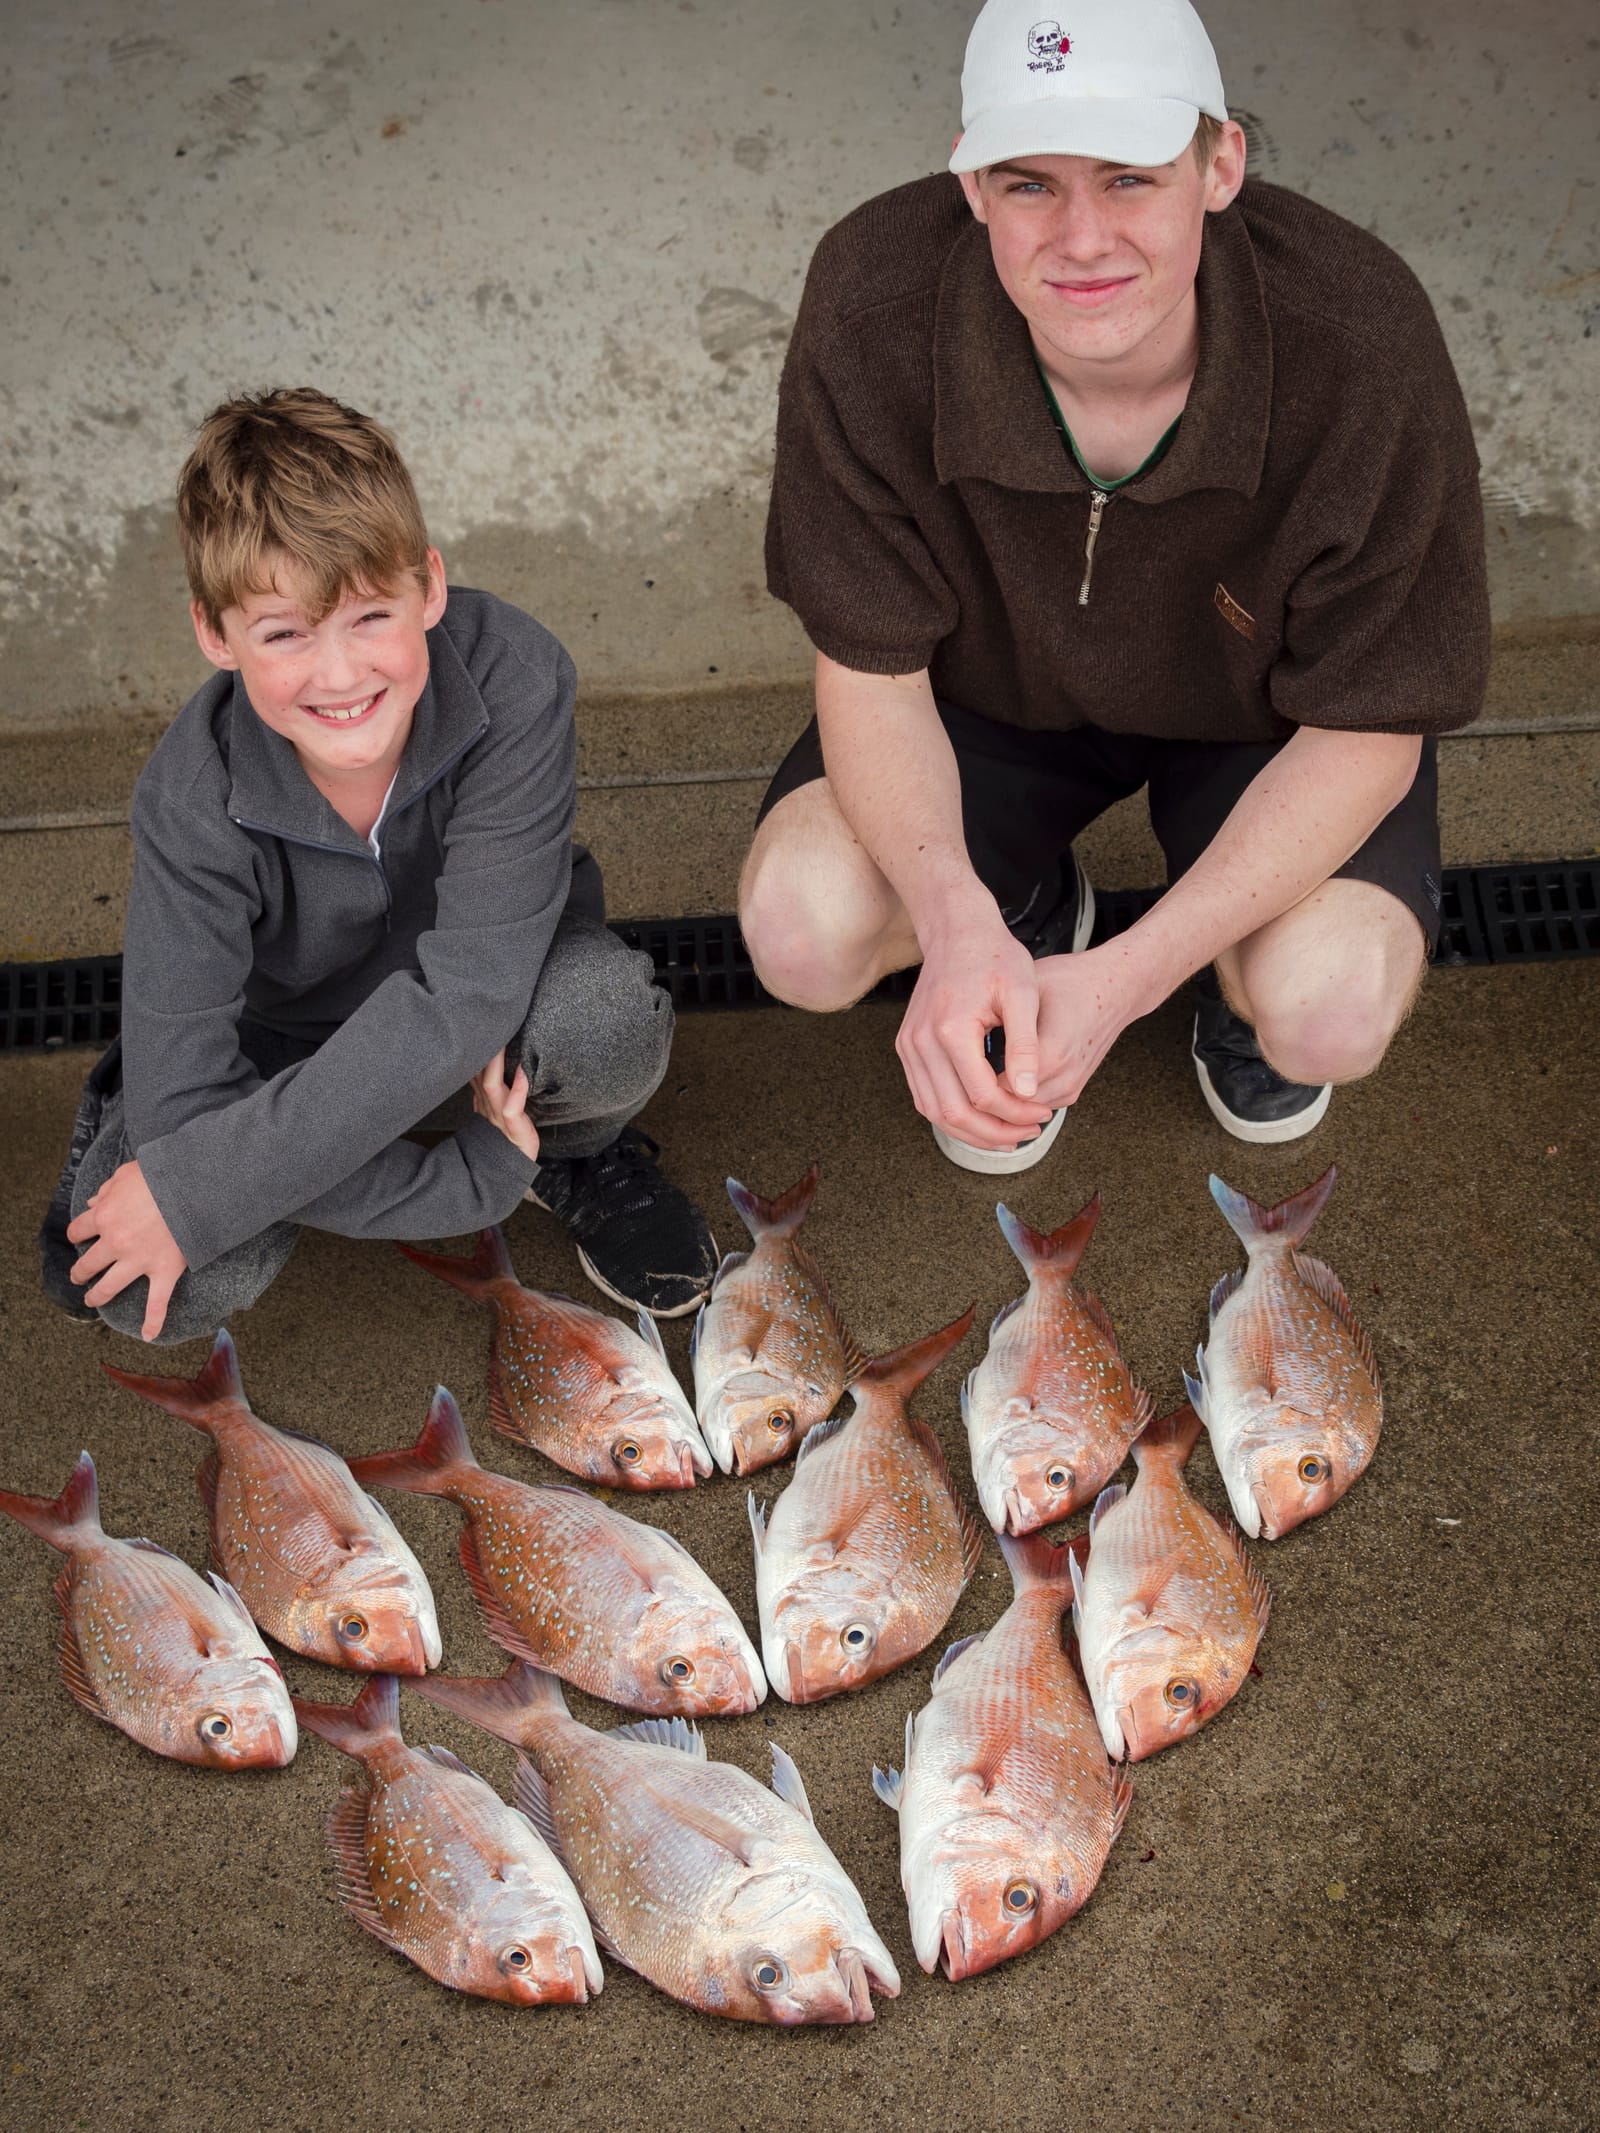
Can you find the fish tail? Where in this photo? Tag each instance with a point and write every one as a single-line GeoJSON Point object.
{"type": "Point", "coordinates": [1291, 1218]}
{"type": "Point", "coordinates": [1169, 1439]}
{"type": "Point", "coordinates": [774, 1218]}
{"type": "Point", "coordinates": [355, 1728]}
{"type": "Point", "coordinates": [433, 1465]}
{"type": "Point", "coordinates": [489, 1263]}
{"type": "Point", "coordinates": [59, 1519]}
{"type": "Point", "coordinates": [1060, 1248]}
{"type": "Point", "coordinates": [1035, 1563]}
{"type": "Point", "coordinates": [192, 1399]}
{"type": "Point", "coordinates": [902, 1370]}
{"type": "Point", "coordinates": [510, 1706]}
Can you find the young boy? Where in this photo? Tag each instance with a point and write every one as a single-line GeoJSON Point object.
{"type": "Point", "coordinates": [354, 884]}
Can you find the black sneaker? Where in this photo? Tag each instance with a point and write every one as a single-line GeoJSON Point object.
{"type": "Point", "coordinates": [58, 1255]}
{"type": "Point", "coordinates": [1058, 917]}
{"type": "Point", "coordinates": [640, 1240]}
{"type": "Point", "coordinates": [1245, 1095]}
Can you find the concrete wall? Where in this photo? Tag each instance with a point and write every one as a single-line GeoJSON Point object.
{"type": "Point", "coordinates": [557, 245]}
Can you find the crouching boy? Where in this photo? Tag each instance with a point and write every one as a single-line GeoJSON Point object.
{"type": "Point", "coordinates": [355, 895]}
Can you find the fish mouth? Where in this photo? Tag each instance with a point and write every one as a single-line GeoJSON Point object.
{"type": "Point", "coordinates": [1016, 1518]}
{"type": "Point", "coordinates": [953, 1945]}
{"type": "Point", "coordinates": [586, 1977]}
{"type": "Point", "coordinates": [852, 1972]}
{"type": "Point", "coordinates": [1127, 1724]}
{"type": "Point", "coordinates": [794, 1672]}
{"type": "Point", "coordinates": [694, 1460]}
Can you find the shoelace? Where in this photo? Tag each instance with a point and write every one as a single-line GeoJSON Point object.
{"type": "Point", "coordinates": [621, 1179]}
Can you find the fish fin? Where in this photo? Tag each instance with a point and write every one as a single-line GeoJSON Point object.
{"type": "Point", "coordinates": [1006, 1310]}
{"type": "Point", "coordinates": [902, 1370]}
{"type": "Point", "coordinates": [1107, 1500]}
{"type": "Point", "coordinates": [500, 1415]}
{"type": "Point", "coordinates": [774, 1218]}
{"type": "Point", "coordinates": [502, 1704]}
{"type": "Point", "coordinates": [490, 1262]}
{"type": "Point", "coordinates": [1260, 1591]}
{"type": "Point", "coordinates": [758, 1523]}
{"type": "Point", "coordinates": [952, 1653]}
{"type": "Point", "coordinates": [664, 1733]}
{"type": "Point", "coordinates": [888, 1785]}
{"type": "Point", "coordinates": [1034, 1562]}
{"type": "Point", "coordinates": [1325, 1282]}
{"type": "Point", "coordinates": [650, 1334]}
{"type": "Point", "coordinates": [1102, 1318]}
{"type": "Point", "coordinates": [972, 1532]}
{"type": "Point", "coordinates": [60, 1519]}
{"type": "Point", "coordinates": [715, 1828]}
{"type": "Point", "coordinates": [447, 1761]}
{"type": "Point", "coordinates": [357, 1727]}
{"type": "Point", "coordinates": [73, 1671]}
{"type": "Point", "coordinates": [1060, 1249]}
{"type": "Point", "coordinates": [1195, 1386]}
{"type": "Point", "coordinates": [1291, 1218]}
{"type": "Point", "coordinates": [1075, 1565]}
{"type": "Point", "coordinates": [729, 1263]}
{"type": "Point", "coordinates": [430, 1467]}
{"type": "Point", "coordinates": [1121, 1798]}
{"type": "Point", "coordinates": [345, 1828]}
{"type": "Point", "coordinates": [232, 1597]}
{"type": "Point", "coordinates": [788, 1784]}
{"type": "Point", "coordinates": [530, 1796]}
{"type": "Point", "coordinates": [491, 1607]}
{"type": "Point", "coordinates": [819, 1434]}
{"type": "Point", "coordinates": [192, 1399]}
{"type": "Point", "coordinates": [1170, 1439]}
{"type": "Point", "coordinates": [855, 1356]}
{"type": "Point", "coordinates": [1221, 1290]}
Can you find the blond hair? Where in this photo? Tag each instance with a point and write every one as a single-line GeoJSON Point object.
{"type": "Point", "coordinates": [1206, 136]}
{"type": "Point", "coordinates": [292, 477]}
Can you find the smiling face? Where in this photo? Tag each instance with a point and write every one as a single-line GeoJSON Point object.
{"type": "Point", "coordinates": [341, 691]}
{"type": "Point", "coordinates": [1100, 258]}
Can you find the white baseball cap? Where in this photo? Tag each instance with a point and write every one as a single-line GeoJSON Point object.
{"type": "Point", "coordinates": [1124, 81]}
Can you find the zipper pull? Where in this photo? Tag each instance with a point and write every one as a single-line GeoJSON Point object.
{"type": "Point", "coordinates": [1099, 498]}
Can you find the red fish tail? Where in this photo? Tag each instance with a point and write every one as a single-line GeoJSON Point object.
{"type": "Point", "coordinates": [357, 1727]}
{"type": "Point", "coordinates": [1036, 1563]}
{"type": "Point", "coordinates": [1061, 1249]}
{"type": "Point", "coordinates": [192, 1399]}
{"type": "Point", "coordinates": [774, 1218]}
{"type": "Point", "coordinates": [1170, 1438]}
{"type": "Point", "coordinates": [432, 1466]}
{"type": "Point", "coordinates": [1291, 1218]}
{"type": "Point", "coordinates": [510, 1706]}
{"type": "Point", "coordinates": [902, 1370]}
{"type": "Point", "coordinates": [58, 1519]}
{"type": "Point", "coordinates": [491, 1262]}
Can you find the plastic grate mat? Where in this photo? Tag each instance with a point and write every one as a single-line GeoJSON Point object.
{"type": "Point", "coordinates": [1542, 913]}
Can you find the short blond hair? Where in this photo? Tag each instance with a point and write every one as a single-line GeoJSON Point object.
{"type": "Point", "coordinates": [294, 477]}
{"type": "Point", "coordinates": [1206, 136]}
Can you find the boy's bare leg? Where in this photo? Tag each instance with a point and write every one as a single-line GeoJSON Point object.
{"type": "Point", "coordinates": [1327, 984]}
{"type": "Point", "coordinates": [822, 923]}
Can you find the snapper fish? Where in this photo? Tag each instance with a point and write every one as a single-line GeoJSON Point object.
{"type": "Point", "coordinates": [576, 1384]}
{"type": "Point", "coordinates": [619, 1609]}
{"type": "Point", "coordinates": [432, 1862]}
{"type": "Point", "coordinates": [1286, 1386]}
{"type": "Point", "coordinates": [173, 1662]}
{"type": "Point", "coordinates": [1170, 1608]}
{"type": "Point", "coordinates": [319, 1564]}
{"type": "Point", "coordinates": [1052, 1408]}
{"type": "Point", "coordinates": [721, 1893]}
{"type": "Point", "coordinates": [869, 1547]}
{"type": "Point", "coordinates": [1007, 1804]}
{"type": "Point", "coordinates": [771, 1355]}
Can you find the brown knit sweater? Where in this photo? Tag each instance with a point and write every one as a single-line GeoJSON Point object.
{"type": "Point", "coordinates": [1309, 551]}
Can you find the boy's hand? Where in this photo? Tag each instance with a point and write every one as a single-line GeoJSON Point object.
{"type": "Point", "coordinates": [131, 1238]}
{"type": "Point", "coordinates": [504, 1104]}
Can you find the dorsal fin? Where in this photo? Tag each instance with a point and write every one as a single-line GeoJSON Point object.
{"type": "Point", "coordinates": [345, 1828]}
{"type": "Point", "coordinates": [1260, 1591]}
{"type": "Point", "coordinates": [530, 1796]}
{"type": "Point", "coordinates": [192, 1399]}
{"type": "Point", "coordinates": [1102, 1318]}
{"type": "Point", "coordinates": [952, 1653]}
{"type": "Point", "coordinates": [774, 1218]}
{"type": "Point", "coordinates": [73, 1671]}
{"type": "Point", "coordinates": [787, 1782]}
{"type": "Point", "coordinates": [506, 1633]}
{"type": "Point", "coordinates": [1107, 1500]}
{"type": "Point", "coordinates": [1221, 1289]}
{"type": "Point", "coordinates": [1058, 1251]}
{"type": "Point", "coordinates": [972, 1533]}
{"type": "Point", "coordinates": [447, 1761]}
{"type": "Point", "coordinates": [664, 1733]}
{"type": "Point", "coordinates": [822, 1433]}
{"type": "Point", "coordinates": [902, 1370]}
{"type": "Point", "coordinates": [1325, 1283]}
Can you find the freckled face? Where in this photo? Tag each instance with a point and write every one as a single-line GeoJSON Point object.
{"type": "Point", "coordinates": [1098, 256]}
{"type": "Point", "coordinates": [342, 690]}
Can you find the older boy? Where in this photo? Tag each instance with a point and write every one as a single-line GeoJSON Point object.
{"type": "Point", "coordinates": [354, 884]}
{"type": "Point", "coordinates": [1099, 467]}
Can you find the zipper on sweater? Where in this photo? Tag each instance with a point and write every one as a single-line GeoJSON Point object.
{"type": "Point", "coordinates": [1099, 498]}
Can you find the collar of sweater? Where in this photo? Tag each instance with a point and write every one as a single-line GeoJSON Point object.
{"type": "Point", "coordinates": [270, 790]}
{"type": "Point", "coordinates": [992, 423]}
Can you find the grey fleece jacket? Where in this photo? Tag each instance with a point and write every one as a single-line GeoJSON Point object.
{"type": "Point", "coordinates": [252, 901]}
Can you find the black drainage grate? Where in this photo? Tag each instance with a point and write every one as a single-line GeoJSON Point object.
{"type": "Point", "coordinates": [1517, 914]}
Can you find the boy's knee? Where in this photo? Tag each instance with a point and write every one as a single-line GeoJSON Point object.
{"type": "Point", "coordinates": [599, 1030]}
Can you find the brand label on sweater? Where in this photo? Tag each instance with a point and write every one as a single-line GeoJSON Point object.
{"type": "Point", "coordinates": [1232, 613]}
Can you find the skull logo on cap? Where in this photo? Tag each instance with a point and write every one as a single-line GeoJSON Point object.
{"type": "Point", "coordinates": [1045, 40]}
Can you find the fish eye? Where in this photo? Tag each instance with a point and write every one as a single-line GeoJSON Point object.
{"type": "Point", "coordinates": [780, 1419]}
{"type": "Point", "coordinates": [677, 1669]}
{"type": "Point", "coordinates": [767, 1973]}
{"type": "Point", "coordinates": [215, 1725]}
{"type": "Point", "coordinates": [855, 1637]}
{"type": "Point", "coordinates": [1182, 1695]}
{"type": "Point", "coordinates": [352, 1628]}
{"type": "Point", "coordinates": [516, 1959]}
{"type": "Point", "coordinates": [1058, 1476]}
{"type": "Point", "coordinates": [1020, 1898]}
{"type": "Point", "coordinates": [1312, 1468]}
{"type": "Point", "coordinates": [628, 1453]}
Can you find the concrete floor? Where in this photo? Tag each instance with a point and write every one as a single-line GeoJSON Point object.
{"type": "Point", "coordinates": [1363, 1896]}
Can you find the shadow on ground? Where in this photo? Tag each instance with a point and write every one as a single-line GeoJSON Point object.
{"type": "Point", "coordinates": [1363, 1896]}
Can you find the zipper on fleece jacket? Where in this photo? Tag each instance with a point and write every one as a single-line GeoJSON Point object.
{"type": "Point", "coordinates": [1098, 499]}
